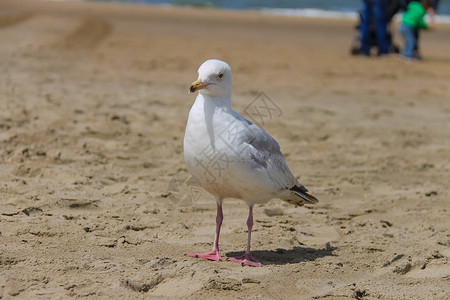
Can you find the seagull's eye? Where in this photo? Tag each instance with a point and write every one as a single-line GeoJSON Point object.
{"type": "Point", "coordinates": [220, 75]}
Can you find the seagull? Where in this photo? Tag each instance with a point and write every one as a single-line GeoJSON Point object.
{"type": "Point", "coordinates": [230, 157]}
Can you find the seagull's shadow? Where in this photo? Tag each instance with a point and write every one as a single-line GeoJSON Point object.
{"type": "Point", "coordinates": [292, 256]}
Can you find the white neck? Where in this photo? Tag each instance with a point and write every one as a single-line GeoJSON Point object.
{"type": "Point", "coordinates": [213, 103]}
{"type": "Point", "coordinates": [209, 107]}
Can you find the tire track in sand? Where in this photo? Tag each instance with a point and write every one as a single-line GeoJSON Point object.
{"type": "Point", "coordinates": [86, 35]}
{"type": "Point", "coordinates": [13, 19]}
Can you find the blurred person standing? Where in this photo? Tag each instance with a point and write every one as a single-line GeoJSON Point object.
{"type": "Point", "coordinates": [393, 6]}
{"type": "Point", "coordinates": [432, 12]}
{"type": "Point", "coordinates": [412, 21]}
{"type": "Point", "coordinates": [374, 10]}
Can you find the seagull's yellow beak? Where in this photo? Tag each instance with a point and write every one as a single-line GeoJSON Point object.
{"type": "Point", "coordinates": [198, 85]}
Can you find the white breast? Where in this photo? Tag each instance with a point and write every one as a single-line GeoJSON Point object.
{"type": "Point", "coordinates": [218, 159]}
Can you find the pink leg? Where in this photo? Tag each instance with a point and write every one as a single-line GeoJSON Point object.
{"type": "Point", "coordinates": [247, 259]}
{"type": "Point", "coordinates": [214, 254]}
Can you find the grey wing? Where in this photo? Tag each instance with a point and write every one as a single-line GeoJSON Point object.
{"type": "Point", "coordinates": [265, 152]}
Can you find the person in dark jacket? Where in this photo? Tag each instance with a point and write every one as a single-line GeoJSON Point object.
{"type": "Point", "coordinates": [374, 10]}
{"type": "Point", "coordinates": [370, 37]}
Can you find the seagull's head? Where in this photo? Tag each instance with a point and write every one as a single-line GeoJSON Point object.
{"type": "Point", "coordinates": [214, 79]}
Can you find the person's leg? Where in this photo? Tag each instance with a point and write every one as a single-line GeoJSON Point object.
{"type": "Point", "coordinates": [416, 36]}
{"type": "Point", "coordinates": [365, 27]}
{"type": "Point", "coordinates": [408, 35]}
{"type": "Point", "coordinates": [416, 52]}
{"type": "Point", "coordinates": [380, 10]}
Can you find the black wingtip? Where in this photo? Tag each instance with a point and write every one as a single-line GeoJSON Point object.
{"type": "Point", "coordinates": [310, 198]}
{"type": "Point", "coordinates": [301, 191]}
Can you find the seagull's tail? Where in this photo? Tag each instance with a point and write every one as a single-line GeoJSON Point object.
{"type": "Point", "coordinates": [299, 196]}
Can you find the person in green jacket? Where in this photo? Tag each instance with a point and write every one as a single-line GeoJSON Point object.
{"type": "Point", "coordinates": [413, 19]}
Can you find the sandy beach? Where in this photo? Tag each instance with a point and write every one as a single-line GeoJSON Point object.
{"type": "Point", "coordinates": [95, 199]}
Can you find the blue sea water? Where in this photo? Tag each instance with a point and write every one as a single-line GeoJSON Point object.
{"type": "Point", "coordinates": [304, 8]}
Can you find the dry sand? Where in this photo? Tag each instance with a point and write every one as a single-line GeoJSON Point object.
{"type": "Point", "coordinates": [93, 105]}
